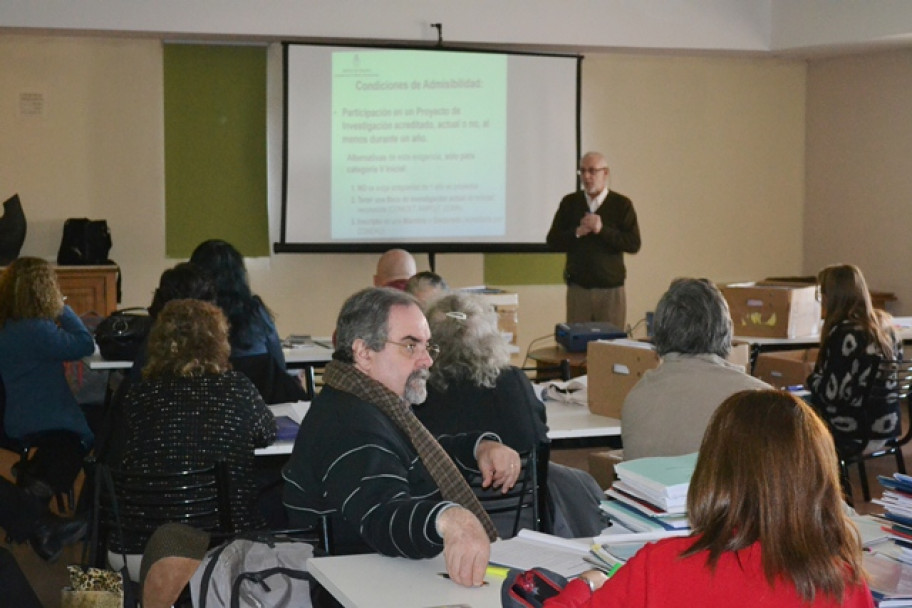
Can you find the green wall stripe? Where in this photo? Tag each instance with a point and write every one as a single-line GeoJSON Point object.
{"type": "Point", "coordinates": [215, 147]}
{"type": "Point", "coordinates": [523, 268]}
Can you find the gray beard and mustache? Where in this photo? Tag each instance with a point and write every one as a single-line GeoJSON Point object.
{"type": "Point", "coordinates": [416, 387]}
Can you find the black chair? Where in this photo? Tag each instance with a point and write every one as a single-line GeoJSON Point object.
{"type": "Point", "coordinates": [134, 504]}
{"type": "Point", "coordinates": [274, 383]}
{"type": "Point", "coordinates": [23, 447]}
{"type": "Point", "coordinates": [544, 373]}
{"type": "Point", "coordinates": [891, 386]}
{"type": "Point", "coordinates": [527, 498]}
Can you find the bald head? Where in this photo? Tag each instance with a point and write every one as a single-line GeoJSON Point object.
{"type": "Point", "coordinates": [394, 265]}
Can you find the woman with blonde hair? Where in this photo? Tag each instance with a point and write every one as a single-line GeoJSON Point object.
{"type": "Point", "coordinates": [38, 333]}
{"type": "Point", "coordinates": [191, 410]}
{"type": "Point", "coordinates": [853, 340]}
{"type": "Point", "coordinates": [769, 527]}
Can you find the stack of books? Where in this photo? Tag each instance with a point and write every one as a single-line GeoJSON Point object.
{"type": "Point", "coordinates": [650, 494]}
{"type": "Point", "coordinates": [888, 558]}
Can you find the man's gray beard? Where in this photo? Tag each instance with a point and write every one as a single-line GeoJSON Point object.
{"type": "Point", "coordinates": [416, 387]}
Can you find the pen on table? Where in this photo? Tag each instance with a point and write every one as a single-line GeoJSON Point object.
{"type": "Point", "coordinates": [445, 575]}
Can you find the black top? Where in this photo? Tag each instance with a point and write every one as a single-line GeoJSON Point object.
{"type": "Point", "coordinates": [509, 409]}
{"type": "Point", "coordinates": [595, 260]}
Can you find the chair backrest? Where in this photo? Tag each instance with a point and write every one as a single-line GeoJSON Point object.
{"type": "Point", "coordinates": [274, 383]}
{"type": "Point", "coordinates": [143, 501]}
{"type": "Point", "coordinates": [889, 390]}
{"type": "Point", "coordinates": [543, 373]}
{"type": "Point", "coordinates": [521, 506]}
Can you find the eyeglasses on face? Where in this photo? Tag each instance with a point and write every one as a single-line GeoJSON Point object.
{"type": "Point", "coordinates": [591, 170]}
{"type": "Point", "coordinates": [414, 349]}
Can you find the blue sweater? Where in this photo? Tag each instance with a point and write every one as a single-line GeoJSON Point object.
{"type": "Point", "coordinates": [38, 398]}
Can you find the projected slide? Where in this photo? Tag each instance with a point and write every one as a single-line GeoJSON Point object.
{"type": "Point", "coordinates": [418, 145]}
{"type": "Point", "coordinates": [433, 149]}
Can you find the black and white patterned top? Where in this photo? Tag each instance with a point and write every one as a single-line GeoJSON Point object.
{"type": "Point", "coordinates": [181, 423]}
{"type": "Point", "coordinates": [847, 364]}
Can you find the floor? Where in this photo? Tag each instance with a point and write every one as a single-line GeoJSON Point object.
{"type": "Point", "coordinates": [49, 579]}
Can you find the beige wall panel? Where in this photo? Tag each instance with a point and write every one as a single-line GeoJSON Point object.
{"type": "Point", "coordinates": [859, 159]}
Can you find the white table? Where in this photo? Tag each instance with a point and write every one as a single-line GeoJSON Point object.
{"type": "Point", "coordinates": [571, 424]}
{"type": "Point", "coordinates": [566, 422]}
{"type": "Point", "coordinates": [296, 412]}
{"type": "Point", "coordinates": [903, 327]}
{"type": "Point", "coordinates": [307, 357]}
{"type": "Point", "coordinates": [295, 358]}
{"type": "Point", "coordinates": [377, 581]}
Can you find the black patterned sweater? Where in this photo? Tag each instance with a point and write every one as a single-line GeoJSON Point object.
{"type": "Point", "coordinates": [181, 423]}
{"type": "Point", "coordinates": [846, 366]}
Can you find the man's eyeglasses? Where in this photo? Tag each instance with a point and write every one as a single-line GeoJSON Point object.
{"type": "Point", "coordinates": [414, 349]}
{"type": "Point", "coordinates": [593, 171]}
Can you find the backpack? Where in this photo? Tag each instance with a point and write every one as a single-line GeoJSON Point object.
{"type": "Point", "coordinates": [85, 242]}
{"type": "Point", "coordinates": [254, 570]}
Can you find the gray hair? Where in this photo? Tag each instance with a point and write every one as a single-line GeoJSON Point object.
{"type": "Point", "coordinates": [692, 318]}
{"type": "Point", "coordinates": [464, 325]}
{"type": "Point", "coordinates": [365, 315]}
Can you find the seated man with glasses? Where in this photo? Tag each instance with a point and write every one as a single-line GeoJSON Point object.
{"type": "Point", "coordinates": [595, 227]}
{"type": "Point", "coordinates": [363, 458]}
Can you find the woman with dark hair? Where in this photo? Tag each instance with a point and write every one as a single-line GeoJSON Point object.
{"type": "Point", "coordinates": [38, 333]}
{"type": "Point", "coordinates": [853, 340]}
{"type": "Point", "coordinates": [253, 330]}
{"type": "Point", "coordinates": [769, 524]}
{"type": "Point", "coordinates": [256, 350]}
{"type": "Point", "coordinates": [191, 410]}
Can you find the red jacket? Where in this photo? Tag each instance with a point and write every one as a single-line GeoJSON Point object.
{"type": "Point", "coordinates": [658, 577]}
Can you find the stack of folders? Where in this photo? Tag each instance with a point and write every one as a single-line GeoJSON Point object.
{"type": "Point", "coordinates": [650, 494]}
{"type": "Point", "coordinates": [897, 503]}
{"type": "Point", "coordinates": [888, 565]}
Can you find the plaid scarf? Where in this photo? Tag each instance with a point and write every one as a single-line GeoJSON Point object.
{"type": "Point", "coordinates": [453, 486]}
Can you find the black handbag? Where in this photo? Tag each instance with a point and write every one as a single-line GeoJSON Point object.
{"type": "Point", "coordinates": [120, 335]}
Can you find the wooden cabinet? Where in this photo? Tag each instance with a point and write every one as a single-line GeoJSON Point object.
{"type": "Point", "coordinates": [89, 288]}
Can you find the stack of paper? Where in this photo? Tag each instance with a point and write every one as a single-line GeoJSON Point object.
{"type": "Point", "coordinates": [651, 493]}
{"type": "Point", "coordinates": [890, 580]}
{"type": "Point", "coordinates": [897, 502]}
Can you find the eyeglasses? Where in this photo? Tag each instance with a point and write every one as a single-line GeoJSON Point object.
{"type": "Point", "coordinates": [414, 349]}
{"type": "Point", "coordinates": [593, 171]}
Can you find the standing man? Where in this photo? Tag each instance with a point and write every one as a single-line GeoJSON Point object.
{"type": "Point", "coordinates": [364, 460]}
{"type": "Point", "coordinates": [596, 227]}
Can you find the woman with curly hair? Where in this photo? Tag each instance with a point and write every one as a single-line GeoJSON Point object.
{"type": "Point", "coordinates": [191, 410]}
{"type": "Point", "coordinates": [853, 340]}
{"type": "Point", "coordinates": [38, 333]}
{"type": "Point", "coordinates": [473, 387]}
{"type": "Point", "coordinates": [769, 525]}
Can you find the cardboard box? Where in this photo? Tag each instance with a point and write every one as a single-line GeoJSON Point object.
{"type": "Point", "coordinates": [506, 305]}
{"type": "Point", "coordinates": [781, 369]}
{"type": "Point", "coordinates": [601, 466]}
{"type": "Point", "coordinates": [773, 310]}
{"type": "Point", "coordinates": [614, 367]}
